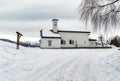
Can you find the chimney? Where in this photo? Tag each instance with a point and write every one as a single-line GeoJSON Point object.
{"type": "Point", "coordinates": [41, 33]}
{"type": "Point", "coordinates": [55, 28]}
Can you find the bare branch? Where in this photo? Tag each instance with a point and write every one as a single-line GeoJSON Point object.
{"type": "Point", "coordinates": [108, 3]}
{"type": "Point", "coordinates": [101, 16]}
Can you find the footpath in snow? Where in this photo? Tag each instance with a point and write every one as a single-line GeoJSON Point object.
{"type": "Point", "coordinates": [35, 64]}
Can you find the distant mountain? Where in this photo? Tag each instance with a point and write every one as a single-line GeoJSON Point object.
{"type": "Point", "coordinates": [25, 43]}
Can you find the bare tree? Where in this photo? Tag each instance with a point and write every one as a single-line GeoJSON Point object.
{"type": "Point", "coordinates": [101, 39]}
{"type": "Point", "coordinates": [115, 41]}
{"type": "Point", "coordinates": [101, 13]}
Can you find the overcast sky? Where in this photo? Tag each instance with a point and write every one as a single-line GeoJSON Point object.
{"type": "Point", "coordinates": [29, 16]}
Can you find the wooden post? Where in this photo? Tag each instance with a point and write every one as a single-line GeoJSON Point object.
{"type": "Point", "coordinates": [18, 39]}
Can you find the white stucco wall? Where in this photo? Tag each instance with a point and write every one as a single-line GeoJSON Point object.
{"type": "Point", "coordinates": [56, 43]}
{"type": "Point", "coordinates": [81, 38]}
{"type": "Point", "coordinates": [92, 43]}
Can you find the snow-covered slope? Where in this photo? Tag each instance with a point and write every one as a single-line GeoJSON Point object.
{"type": "Point", "coordinates": [35, 64]}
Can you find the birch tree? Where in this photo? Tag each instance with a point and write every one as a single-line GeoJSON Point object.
{"type": "Point", "coordinates": [103, 14]}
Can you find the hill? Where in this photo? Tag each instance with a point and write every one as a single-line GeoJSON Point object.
{"type": "Point", "coordinates": [22, 43]}
{"type": "Point", "coordinates": [35, 64]}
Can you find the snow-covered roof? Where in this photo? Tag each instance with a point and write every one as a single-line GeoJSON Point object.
{"type": "Point", "coordinates": [73, 31]}
{"type": "Point", "coordinates": [48, 33]}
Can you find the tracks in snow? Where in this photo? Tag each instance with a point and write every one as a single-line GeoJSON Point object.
{"type": "Point", "coordinates": [73, 68]}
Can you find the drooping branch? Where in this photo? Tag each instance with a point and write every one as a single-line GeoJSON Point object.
{"type": "Point", "coordinates": [108, 3]}
{"type": "Point", "coordinates": [101, 16]}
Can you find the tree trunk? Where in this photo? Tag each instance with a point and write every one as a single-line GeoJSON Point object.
{"type": "Point", "coordinates": [102, 43]}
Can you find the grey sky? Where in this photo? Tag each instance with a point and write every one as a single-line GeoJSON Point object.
{"type": "Point", "coordinates": [29, 16]}
{"type": "Point", "coordinates": [37, 9]}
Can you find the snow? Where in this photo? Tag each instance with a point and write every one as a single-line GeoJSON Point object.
{"type": "Point", "coordinates": [48, 33]}
{"type": "Point", "coordinates": [35, 64]}
{"type": "Point", "coordinates": [23, 38]}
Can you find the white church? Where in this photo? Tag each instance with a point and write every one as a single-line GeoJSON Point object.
{"type": "Point", "coordinates": [56, 38]}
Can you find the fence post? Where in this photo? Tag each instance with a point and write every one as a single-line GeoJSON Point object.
{"type": "Point", "coordinates": [18, 39]}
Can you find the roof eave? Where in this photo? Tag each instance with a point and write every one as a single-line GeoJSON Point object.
{"type": "Point", "coordinates": [49, 37]}
{"type": "Point", "coordinates": [73, 31]}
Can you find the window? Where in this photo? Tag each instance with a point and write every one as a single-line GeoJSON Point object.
{"type": "Point", "coordinates": [63, 42]}
{"type": "Point", "coordinates": [71, 41]}
{"type": "Point", "coordinates": [49, 42]}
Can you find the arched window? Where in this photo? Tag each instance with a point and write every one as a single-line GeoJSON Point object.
{"type": "Point", "coordinates": [63, 41]}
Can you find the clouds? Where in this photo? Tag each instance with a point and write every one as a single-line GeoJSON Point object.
{"type": "Point", "coordinates": [28, 16]}
{"type": "Point", "coordinates": [38, 13]}
{"type": "Point", "coordinates": [38, 9]}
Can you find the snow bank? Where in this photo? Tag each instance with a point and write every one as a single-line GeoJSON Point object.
{"type": "Point", "coordinates": [35, 64]}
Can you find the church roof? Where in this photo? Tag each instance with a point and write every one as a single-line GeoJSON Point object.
{"type": "Point", "coordinates": [49, 34]}
{"type": "Point", "coordinates": [71, 31]}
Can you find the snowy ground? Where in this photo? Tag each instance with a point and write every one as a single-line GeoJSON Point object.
{"type": "Point", "coordinates": [35, 64]}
